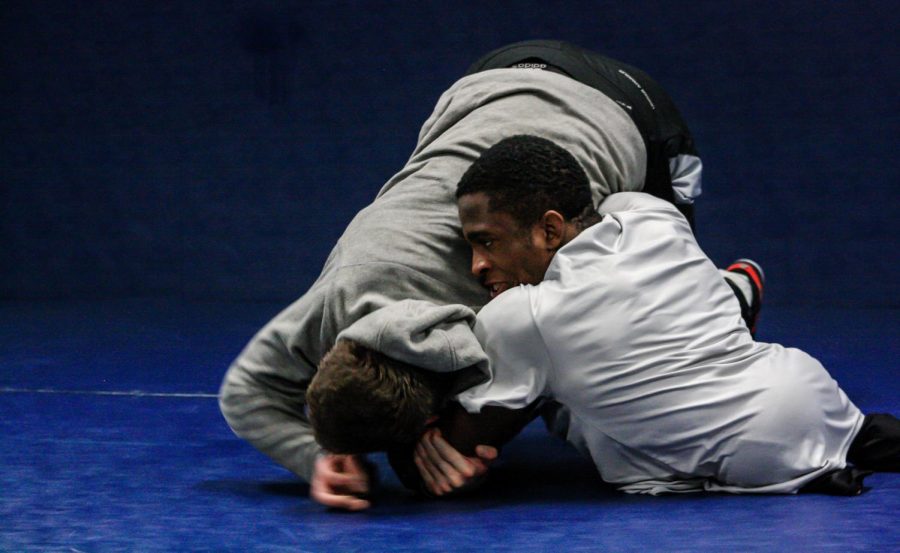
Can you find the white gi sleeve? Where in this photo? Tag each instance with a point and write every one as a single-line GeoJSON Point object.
{"type": "Point", "coordinates": [518, 362]}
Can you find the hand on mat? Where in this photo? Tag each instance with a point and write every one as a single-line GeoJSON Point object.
{"type": "Point", "coordinates": [446, 470]}
{"type": "Point", "coordinates": [338, 481]}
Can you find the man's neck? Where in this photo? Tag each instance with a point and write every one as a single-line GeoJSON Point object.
{"type": "Point", "coordinates": [586, 219]}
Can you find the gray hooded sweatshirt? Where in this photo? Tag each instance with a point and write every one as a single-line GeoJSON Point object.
{"type": "Point", "coordinates": [408, 245]}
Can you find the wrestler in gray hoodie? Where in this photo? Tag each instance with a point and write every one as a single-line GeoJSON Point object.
{"type": "Point", "coordinates": [407, 244]}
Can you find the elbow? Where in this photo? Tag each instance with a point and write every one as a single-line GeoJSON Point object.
{"type": "Point", "coordinates": [233, 397]}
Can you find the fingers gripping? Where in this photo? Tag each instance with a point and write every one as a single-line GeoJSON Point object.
{"type": "Point", "coordinates": [444, 469]}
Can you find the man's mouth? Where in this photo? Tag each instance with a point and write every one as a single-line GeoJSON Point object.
{"type": "Point", "coordinates": [497, 288]}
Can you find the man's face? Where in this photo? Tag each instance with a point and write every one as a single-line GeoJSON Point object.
{"type": "Point", "coordinates": [504, 253]}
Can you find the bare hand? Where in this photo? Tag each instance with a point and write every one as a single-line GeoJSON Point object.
{"type": "Point", "coordinates": [338, 481]}
{"type": "Point", "coordinates": [444, 469]}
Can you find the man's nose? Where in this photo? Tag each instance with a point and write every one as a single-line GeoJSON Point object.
{"type": "Point", "coordinates": [480, 264]}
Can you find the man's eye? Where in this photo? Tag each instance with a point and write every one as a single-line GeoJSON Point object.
{"type": "Point", "coordinates": [487, 243]}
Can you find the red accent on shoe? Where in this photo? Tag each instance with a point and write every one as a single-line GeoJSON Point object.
{"type": "Point", "coordinates": [751, 272]}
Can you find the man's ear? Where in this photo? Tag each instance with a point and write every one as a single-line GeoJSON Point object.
{"type": "Point", "coordinates": [550, 230]}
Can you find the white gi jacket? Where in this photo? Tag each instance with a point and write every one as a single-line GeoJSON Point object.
{"type": "Point", "coordinates": [635, 331]}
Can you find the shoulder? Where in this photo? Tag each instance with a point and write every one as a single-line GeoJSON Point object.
{"type": "Point", "coordinates": [515, 300]}
{"type": "Point", "coordinates": [643, 217]}
{"type": "Point", "coordinates": [509, 315]}
{"type": "Point", "coordinates": [636, 201]}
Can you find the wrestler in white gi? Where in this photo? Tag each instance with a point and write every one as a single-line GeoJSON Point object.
{"type": "Point", "coordinates": [628, 324]}
{"type": "Point", "coordinates": [634, 330]}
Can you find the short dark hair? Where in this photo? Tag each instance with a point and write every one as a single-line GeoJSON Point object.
{"type": "Point", "coordinates": [525, 176]}
{"type": "Point", "coordinates": [362, 401]}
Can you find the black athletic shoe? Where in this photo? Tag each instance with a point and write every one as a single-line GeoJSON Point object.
{"type": "Point", "coordinates": [749, 306]}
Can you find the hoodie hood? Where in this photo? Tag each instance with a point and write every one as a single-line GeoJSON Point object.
{"type": "Point", "coordinates": [438, 338]}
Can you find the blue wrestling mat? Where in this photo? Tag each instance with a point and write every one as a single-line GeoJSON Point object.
{"type": "Point", "coordinates": [111, 440]}
{"type": "Point", "coordinates": [218, 149]}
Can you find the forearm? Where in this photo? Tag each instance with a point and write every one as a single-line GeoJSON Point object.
{"type": "Point", "coordinates": [402, 462]}
{"type": "Point", "coordinates": [271, 419]}
{"type": "Point", "coordinates": [493, 426]}
{"type": "Point", "coordinates": [463, 432]}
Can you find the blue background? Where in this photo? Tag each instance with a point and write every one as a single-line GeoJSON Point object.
{"type": "Point", "coordinates": [173, 173]}
{"type": "Point", "coordinates": [216, 150]}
